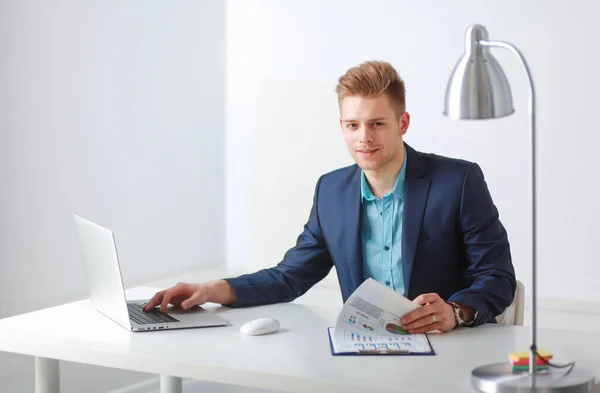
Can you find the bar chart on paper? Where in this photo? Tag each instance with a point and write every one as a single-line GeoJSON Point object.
{"type": "Point", "coordinates": [363, 341]}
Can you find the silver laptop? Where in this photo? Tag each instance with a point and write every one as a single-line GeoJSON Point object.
{"type": "Point", "coordinates": [107, 295]}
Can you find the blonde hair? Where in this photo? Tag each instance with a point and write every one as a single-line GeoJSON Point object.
{"type": "Point", "coordinates": [370, 79]}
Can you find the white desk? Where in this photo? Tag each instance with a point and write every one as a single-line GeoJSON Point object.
{"type": "Point", "coordinates": [297, 359]}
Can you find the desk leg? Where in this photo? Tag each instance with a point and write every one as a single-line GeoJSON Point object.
{"type": "Point", "coordinates": [47, 375]}
{"type": "Point", "coordinates": [170, 384]}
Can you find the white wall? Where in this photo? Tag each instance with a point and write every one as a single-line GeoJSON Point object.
{"type": "Point", "coordinates": [283, 61]}
{"type": "Point", "coordinates": [113, 110]}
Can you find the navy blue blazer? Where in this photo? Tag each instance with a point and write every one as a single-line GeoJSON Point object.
{"type": "Point", "coordinates": [453, 242]}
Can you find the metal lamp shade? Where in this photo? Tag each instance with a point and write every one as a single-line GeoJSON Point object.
{"type": "Point", "coordinates": [478, 88]}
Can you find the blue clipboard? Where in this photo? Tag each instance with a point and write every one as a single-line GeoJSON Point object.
{"type": "Point", "coordinates": [379, 352]}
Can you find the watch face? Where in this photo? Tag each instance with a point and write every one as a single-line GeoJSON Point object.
{"type": "Point", "coordinates": [460, 316]}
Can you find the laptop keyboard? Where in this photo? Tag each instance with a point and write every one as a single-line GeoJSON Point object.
{"type": "Point", "coordinates": [141, 317]}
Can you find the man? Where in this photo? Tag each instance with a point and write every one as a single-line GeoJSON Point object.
{"type": "Point", "coordinates": [421, 224]}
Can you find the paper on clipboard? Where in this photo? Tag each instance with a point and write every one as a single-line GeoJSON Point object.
{"type": "Point", "coordinates": [369, 323]}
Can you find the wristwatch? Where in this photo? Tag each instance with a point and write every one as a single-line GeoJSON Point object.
{"type": "Point", "coordinates": [459, 314]}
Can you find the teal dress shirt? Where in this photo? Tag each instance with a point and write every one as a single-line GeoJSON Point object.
{"type": "Point", "coordinates": [381, 233]}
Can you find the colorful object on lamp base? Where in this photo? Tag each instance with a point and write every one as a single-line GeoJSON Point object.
{"type": "Point", "coordinates": [520, 360]}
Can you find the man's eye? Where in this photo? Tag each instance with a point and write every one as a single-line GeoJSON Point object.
{"type": "Point", "coordinates": [378, 123]}
{"type": "Point", "coordinates": [351, 125]}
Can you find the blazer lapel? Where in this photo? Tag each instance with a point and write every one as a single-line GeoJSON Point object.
{"type": "Point", "coordinates": [416, 189]}
{"type": "Point", "coordinates": [352, 205]}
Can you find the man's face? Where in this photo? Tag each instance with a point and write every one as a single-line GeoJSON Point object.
{"type": "Point", "coordinates": [372, 130]}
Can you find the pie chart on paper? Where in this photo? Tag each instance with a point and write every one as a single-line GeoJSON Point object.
{"type": "Point", "coordinates": [395, 329]}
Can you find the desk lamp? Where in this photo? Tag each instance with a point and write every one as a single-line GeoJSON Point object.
{"type": "Point", "coordinates": [478, 90]}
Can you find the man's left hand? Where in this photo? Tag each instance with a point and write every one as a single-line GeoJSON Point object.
{"type": "Point", "coordinates": [435, 314]}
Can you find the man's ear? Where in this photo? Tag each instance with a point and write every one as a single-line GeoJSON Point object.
{"type": "Point", "coordinates": [404, 123]}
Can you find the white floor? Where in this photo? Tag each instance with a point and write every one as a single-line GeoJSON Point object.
{"type": "Point", "coordinates": [17, 376]}
{"type": "Point", "coordinates": [16, 371]}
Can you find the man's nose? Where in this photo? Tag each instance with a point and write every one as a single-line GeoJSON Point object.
{"type": "Point", "coordinates": [366, 135]}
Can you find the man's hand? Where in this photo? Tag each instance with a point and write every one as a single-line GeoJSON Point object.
{"type": "Point", "coordinates": [435, 314]}
{"type": "Point", "coordinates": [190, 295]}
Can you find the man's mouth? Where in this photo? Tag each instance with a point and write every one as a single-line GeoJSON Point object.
{"type": "Point", "coordinates": [367, 152]}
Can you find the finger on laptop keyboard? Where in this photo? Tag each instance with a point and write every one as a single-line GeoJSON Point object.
{"type": "Point", "coordinates": [166, 299]}
{"type": "Point", "coordinates": [155, 301]}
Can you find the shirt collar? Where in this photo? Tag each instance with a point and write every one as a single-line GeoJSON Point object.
{"type": "Point", "coordinates": [398, 189]}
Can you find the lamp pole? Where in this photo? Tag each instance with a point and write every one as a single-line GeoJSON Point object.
{"type": "Point", "coordinates": [532, 197]}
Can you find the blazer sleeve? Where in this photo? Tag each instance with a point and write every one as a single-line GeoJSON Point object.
{"type": "Point", "coordinates": [488, 268]}
{"type": "Point", "coordinates": [304, 265]}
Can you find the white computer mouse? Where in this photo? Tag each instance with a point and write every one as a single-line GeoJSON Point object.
{"type": "Point", "coordinates": [260, 326]}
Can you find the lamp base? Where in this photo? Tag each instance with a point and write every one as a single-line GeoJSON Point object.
{"type": "Point", "coordinates": [499, 378]}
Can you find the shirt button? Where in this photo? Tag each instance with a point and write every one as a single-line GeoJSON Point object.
{"type": "Point", "coordinates": [388, 283]}
{"type": "Point", "coordinates": [386, 248]}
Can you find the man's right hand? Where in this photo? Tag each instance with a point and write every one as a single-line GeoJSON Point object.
{"type": "Point", "coordinates": [190, 295]}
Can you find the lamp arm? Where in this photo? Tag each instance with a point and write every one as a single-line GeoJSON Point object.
{"type": "Point", "coordinates": [532, 195]}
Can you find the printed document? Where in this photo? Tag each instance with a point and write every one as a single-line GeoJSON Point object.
{"type": "Point", "coordinates": [369, 323]}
